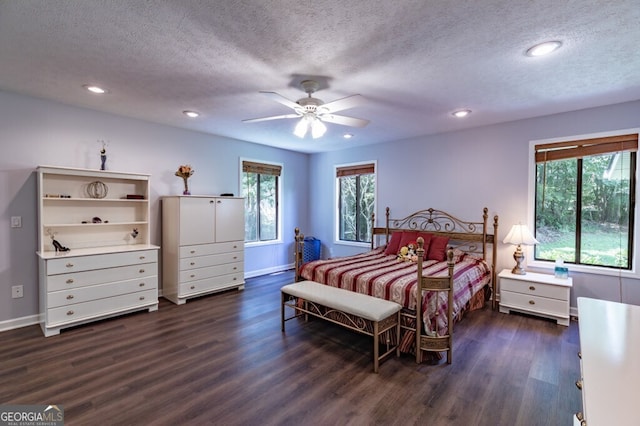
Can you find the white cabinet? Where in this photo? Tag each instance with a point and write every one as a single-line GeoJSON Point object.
{"type": "Point", "coordinates": [203, 245]}
{"type": "Point", "coordinates": [103, 264]}
{"type": "Point", "coordinates": [610, 349]}
{"type": "Point", "coordinates": [539, 294]}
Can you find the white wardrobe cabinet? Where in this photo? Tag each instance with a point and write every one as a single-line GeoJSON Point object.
{"type": "Point", "coordinates": [101, 263]}
{"type": "Point", "coordinates": [203, 245]}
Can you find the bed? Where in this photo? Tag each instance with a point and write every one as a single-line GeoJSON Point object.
{"type": "Point", "coordinates": [447, 253]}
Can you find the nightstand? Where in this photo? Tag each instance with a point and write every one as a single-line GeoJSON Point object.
{"type": "Point", "coordinates": [538, 294]}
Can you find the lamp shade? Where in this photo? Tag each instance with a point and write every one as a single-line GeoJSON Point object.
{"type": "Point", "coordinates": [520, 234]}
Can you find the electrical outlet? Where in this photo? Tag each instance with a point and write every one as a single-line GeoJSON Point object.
{"type": "Point", "coordinates": [17, 291]}
{"type": "Point", "coordinates": [16, 221]}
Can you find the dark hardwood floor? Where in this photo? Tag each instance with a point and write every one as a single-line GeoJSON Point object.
{"type": "Point", "coordinates": [222, 359]}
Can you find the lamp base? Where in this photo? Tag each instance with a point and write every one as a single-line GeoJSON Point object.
{"type": "Point", "coordinates": [518, 256]}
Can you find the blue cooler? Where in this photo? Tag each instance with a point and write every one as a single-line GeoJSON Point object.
{"type": "Point", "coordinates": [311, 249]}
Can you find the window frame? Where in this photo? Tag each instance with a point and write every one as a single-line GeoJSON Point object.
{"type": "Point", "coordinates": [592, 269]}
{"type": "Point", "coordinates": [278, 239]}
{"type": "Point", "coordinates": [336, 209]}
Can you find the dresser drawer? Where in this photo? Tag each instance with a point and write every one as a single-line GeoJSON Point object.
{"type": "Point", "coordinates": [86, 263]}
{"type": "Point", "coordinates": [206, 249]}
{"type": "Point", "coordinates": [95, 308]}
{"type": "Point", "coordinates": [84, 294]}
{"type": "Point", "coordinates": [534, 289]}
{"type": "Point", "coordinates": [213, 283]}
{"type": "Point", "coordinates": [210, 271]}
{"type": "Point", "coordinates": [212, 260]}
{"type": "Point", "coordinates": [85, 278]}
{"type": "Point", "coordinates": [527, 302]}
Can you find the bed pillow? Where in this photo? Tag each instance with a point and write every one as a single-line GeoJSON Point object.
{"type": "Point", "coordinates": [427, 242]}
{"type": "Point", "coordinates": [408, 237]}
{"type": "Point", "coordinates": [438, 248]}
{"type": "Point", "coordinates": [394, 244]}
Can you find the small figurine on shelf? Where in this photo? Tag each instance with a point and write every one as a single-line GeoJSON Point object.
{"type": "Point", "coordinates": [56, 244]}
{"type": "Point", "coordinates": [185, 172]}
{"type": "Point", "coordinates": [103, 155]}
{"type": "Point", "coordinates": [134, 234]}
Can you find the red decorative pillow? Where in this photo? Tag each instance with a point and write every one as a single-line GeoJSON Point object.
{"type": "Point", "coordinates": [394, 244]}
{"type": "Point", "coordinates": [427, 241]}
{"type": "Point", "coordinates": [407, 237]}
{"type": "Point", "coordinates": [438, 248]}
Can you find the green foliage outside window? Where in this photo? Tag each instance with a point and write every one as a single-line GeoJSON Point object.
{"type": "Point", "coordinates": [583, 209]}
{"type": "Point", "coordinates": [261, 206]}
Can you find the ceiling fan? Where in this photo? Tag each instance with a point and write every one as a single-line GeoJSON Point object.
{"type": "Point", "coordinates": [312, 111]}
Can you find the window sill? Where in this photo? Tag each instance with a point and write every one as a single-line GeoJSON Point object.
{"type": "Point", "coordinates": [584, 269]}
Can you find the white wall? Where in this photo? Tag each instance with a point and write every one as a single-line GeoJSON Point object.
{"type": "Point", "coordinates": [37, 132]}
{"type": "Point", "coordinates": [462, 172]}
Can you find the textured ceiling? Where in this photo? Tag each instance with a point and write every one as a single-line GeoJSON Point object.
{"type": "Point", "coordinates": [415, 61]}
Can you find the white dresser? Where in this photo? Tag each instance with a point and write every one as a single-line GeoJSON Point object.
{"type": "Point", "coordinates": [538, 294]}
{"type": "Point", "coordinates": [103, 264]}
{"type": "Point", "coordinates": [203, 245]}
{"type": "Point", "coordinates": [610, 362]}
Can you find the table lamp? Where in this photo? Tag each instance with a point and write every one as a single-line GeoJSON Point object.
{"type": "Point", "coordinates": [519, 235]}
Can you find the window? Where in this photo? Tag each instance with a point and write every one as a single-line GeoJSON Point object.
{"type": "Point", "coordinates": [261, 192]}
{"type": "Point", "coordinates": [584, 201]}
{"type": "Point", "coordinates": [356, 201]}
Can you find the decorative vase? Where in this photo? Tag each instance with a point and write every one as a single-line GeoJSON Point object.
{"type": "Point", "coordinates": [186, 186]}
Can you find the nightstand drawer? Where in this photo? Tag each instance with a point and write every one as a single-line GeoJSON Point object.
{"type": "Point", "coordinates": [536, 304]}
{"type": "Point", "coordinates": [534, 289]}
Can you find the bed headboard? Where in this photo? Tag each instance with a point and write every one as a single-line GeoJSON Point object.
{"type": "Point", "coordinates": [469, 236]}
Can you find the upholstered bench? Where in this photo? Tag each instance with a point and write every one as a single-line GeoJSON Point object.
{"type": "Point", "coordinates": [359, 312]}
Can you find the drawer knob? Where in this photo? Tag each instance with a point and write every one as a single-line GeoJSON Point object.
{"type": "Point", "coordinates": [579, 384]}
{"type": "Point", "coordinates": [234, 278]}
{"type": "Point", "coordinates": [193, 287]}
{"type": "Point", "coordinates": [532, 288]}
{"type": "Point", "coordinates": [70, 281]}
{"type": "Point", "coordinates": [580, 355]}
{"type": "Point", "coordinates": [235, 267]}
{"type": "Point", "coordinates": [192, 276]}
{"type": "Point", "coordinates": [141, 297]}
{"type": "Point", "coordinates": [69, 312]}
{"type": "Point", "coordinates": [192, 263]}
{"type": "Point", "coordinates": [141, 285]}
{"type": "Point", "coordinates": [69, 265]}
{"type": "Point", "coordinates": [192, 251]}
{"type": "Point", "coordinates": [235, 257]}
{"type": "Point", "coordinates": [235, 246]}
{"type": "Point", "coordinates": [141, 271]}
{"type": "Point", "coordinates": [69, 297]}
{"type": "Point", "coordinates": [532, 302]}
{"type": "Point", "coordinates": [142, 257]}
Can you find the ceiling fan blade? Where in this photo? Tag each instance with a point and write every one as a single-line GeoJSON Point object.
{"type": "Point", "coordinates": [343, 120]}
{"type": "Point", "coordinates": [279, 98]}
{"type": "Point", "coordinates": [344, 103]}
{"type": "Point", "coordinates": [274, 117]}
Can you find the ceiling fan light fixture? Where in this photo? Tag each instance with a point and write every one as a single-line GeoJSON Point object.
{"type": "Point", "coordinates": [301, 127]}
{"type": "Point", "coordinates": [347, 135]}
{"type": "Point", "coordinates": [318, 128]}
{"type": "Point", "coordinates": [545, 48]}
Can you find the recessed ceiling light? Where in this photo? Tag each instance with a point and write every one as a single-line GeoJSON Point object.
{"type": "Point", "coordinates": [95, 89]}
{"type": "Point", "coordinates": [543, 48]}
{"type": "Point", "coordinates": [191, 114]}
{"type": "Point", "coordinates": [461, 113]}
{"type": "Point", "coordinates": [347, 135]}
